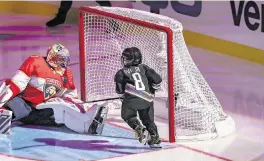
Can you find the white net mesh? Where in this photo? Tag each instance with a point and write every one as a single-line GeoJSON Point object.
{"type": "Point", "coordinates": [197, 108]}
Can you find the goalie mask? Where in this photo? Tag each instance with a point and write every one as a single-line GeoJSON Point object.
{"type": "Point", "coordinates": [58, 58]}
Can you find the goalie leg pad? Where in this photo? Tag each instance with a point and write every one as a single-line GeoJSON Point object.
{"type": "Point", "coordinates": [5, 121]}
{"type": "Point", "coordinates": [67, 114]}
{"type": "Point", "coordinates": [79, 122]}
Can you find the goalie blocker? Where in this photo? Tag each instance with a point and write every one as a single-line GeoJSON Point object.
{"type": "Point", "coordinates": [5, 115]}
{"type": "Point", "coordinates": [5, 121]}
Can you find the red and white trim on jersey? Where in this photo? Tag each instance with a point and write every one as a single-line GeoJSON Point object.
{"type": "Point", "coordinates": [21, 80]}
{"type": "Point", "coordinates": [141, 94]}
{"type": "Point", "coordinates": [38, 83]}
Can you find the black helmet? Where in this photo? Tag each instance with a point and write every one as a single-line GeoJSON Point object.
{"type": "Point", "coordinates": [137, 56]}
{"type": "Point", "coordinates": [131, 56]}
{"type": "Point", "coordinates": [127, 57]}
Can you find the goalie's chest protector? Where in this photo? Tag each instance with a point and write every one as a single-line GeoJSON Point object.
{"type": "Point", "coordinates": [44, 82]}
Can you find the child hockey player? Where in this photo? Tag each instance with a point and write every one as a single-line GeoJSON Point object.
{"type": "Point", "coordinates": [137, 83]}
{"type": "Point", "coordinates": [42, 92]}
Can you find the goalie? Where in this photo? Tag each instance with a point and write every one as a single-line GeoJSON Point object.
{"type": "Point", "coordinates": [42, 92]}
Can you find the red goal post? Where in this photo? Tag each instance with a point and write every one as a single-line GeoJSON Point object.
{"type": "Point", "coordinates": [92, 22]}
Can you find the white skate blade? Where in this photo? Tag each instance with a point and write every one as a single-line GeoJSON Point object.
{"type": "Point", "coordinates": [155, 146]}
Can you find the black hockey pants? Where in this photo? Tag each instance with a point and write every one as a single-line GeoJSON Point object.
{"type": "Point", "coordinates": [129, 115]}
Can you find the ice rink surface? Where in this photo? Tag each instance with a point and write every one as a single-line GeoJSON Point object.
{"type": "Point", "coordinates": [238, 84]}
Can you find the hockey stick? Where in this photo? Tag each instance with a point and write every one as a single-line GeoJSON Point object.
{"type": "Point", "coordinates": [107, 99]}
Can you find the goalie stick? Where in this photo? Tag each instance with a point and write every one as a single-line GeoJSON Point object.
{"type": "Point", "coordinates": [107, 99]}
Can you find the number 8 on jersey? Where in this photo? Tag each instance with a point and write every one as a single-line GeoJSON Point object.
{"type": "Point", "coordinates": [138, 82]}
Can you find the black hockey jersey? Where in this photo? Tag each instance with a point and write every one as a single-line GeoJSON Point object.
{"type": "Point", "coordinates": [137, 82]}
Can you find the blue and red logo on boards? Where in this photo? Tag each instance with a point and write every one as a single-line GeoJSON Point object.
{"type": "Point", "coordinates": [252, 12]}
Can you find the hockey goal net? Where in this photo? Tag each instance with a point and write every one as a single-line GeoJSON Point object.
{"type": "Point", "coordinates": [105, 32]}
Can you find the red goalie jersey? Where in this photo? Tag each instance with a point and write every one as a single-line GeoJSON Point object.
{"type": "Point", "coordinates": [37, 82]}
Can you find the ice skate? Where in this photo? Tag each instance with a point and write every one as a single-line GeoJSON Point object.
{"type": "Point", "coordinates": [141, 134]}
{"type": "Point", "coordinates": [154, 141]}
